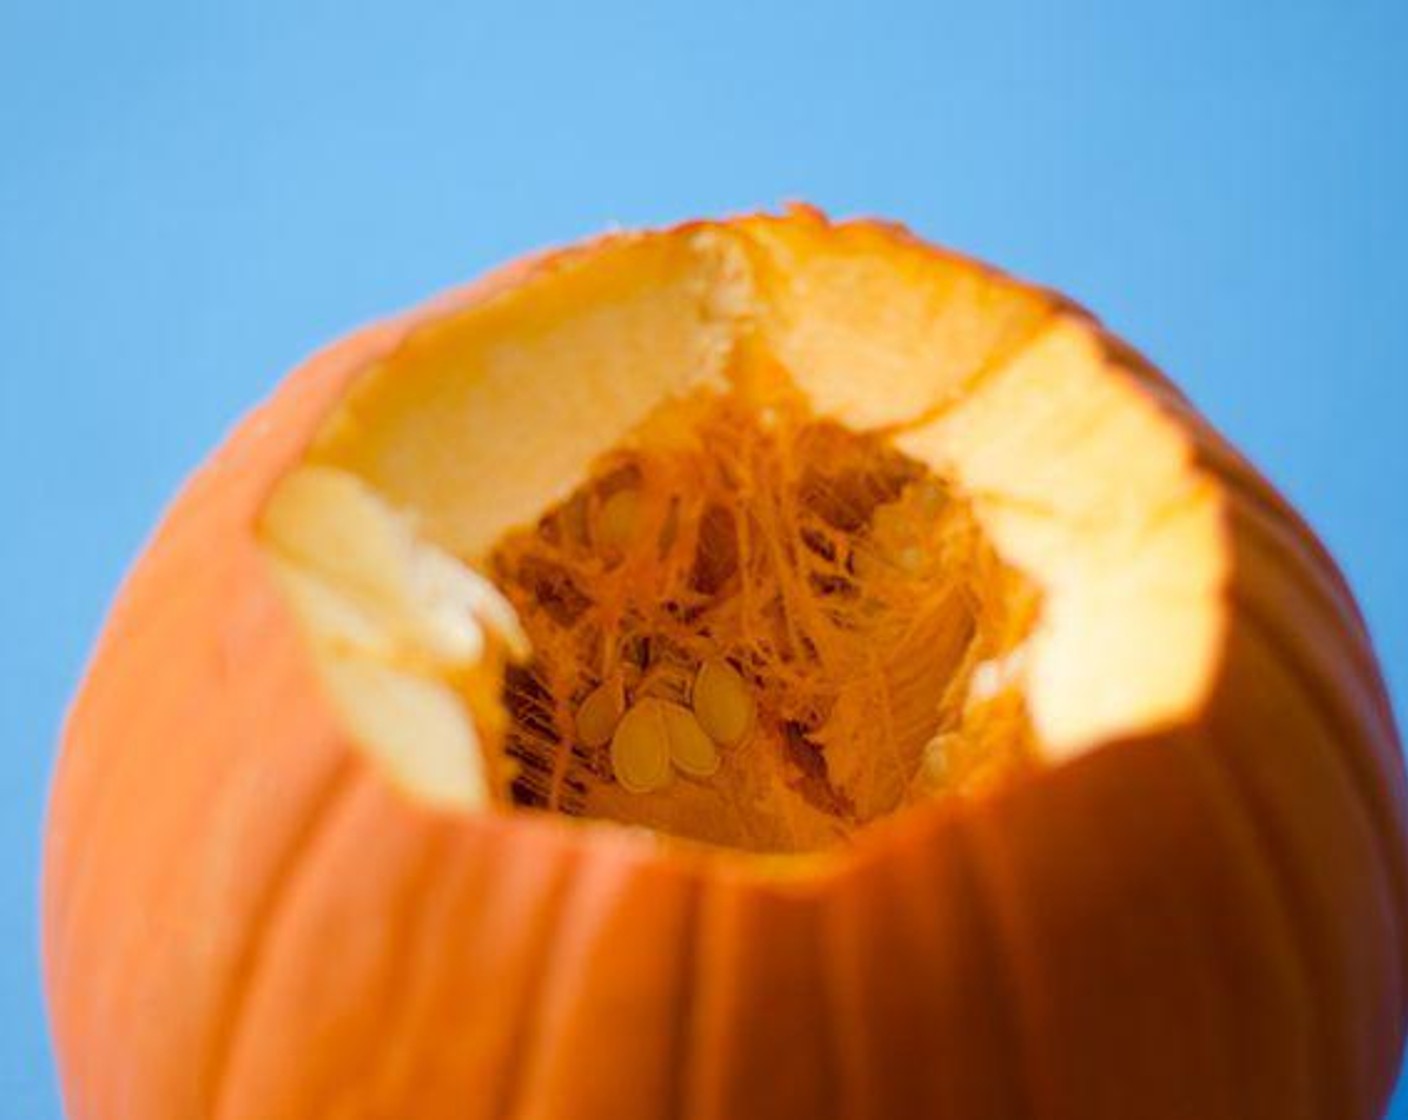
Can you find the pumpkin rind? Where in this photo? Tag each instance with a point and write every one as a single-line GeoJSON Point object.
{"type": "Point", "coordinates": [244, 918]}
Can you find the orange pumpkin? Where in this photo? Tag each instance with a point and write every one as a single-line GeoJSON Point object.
{"type": "Point", "coordinates": [760, 669]}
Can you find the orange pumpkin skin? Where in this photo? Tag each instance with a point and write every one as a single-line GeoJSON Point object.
{"type": "Point", "coordinates": [242, 919]}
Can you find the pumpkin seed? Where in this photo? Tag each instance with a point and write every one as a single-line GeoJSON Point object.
{"type": "Point", "coordinates": [723, 702]}
{"type": "Point", "coordinates": [640, 749]}
{"type": "Point", "coordinates": [691, 750]}
{"type": "Point", "coordinates": [600, 712]}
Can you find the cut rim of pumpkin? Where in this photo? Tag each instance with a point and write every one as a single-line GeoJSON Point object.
{"type": "Point", "coordinates": [749, 534]}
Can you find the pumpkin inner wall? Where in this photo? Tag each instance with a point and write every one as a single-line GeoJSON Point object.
{"type": "Point", "coordinates": [517, 542]}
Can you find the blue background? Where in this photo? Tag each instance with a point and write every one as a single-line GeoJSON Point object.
{"type": "Point", "coordinates": [193, 196]}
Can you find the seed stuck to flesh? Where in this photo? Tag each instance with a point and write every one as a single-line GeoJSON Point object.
{"type": "Point", "coordinates": [619, 520]}
{"type": "Point", "coordinates": [600, 712]}
{"type": "Point", "coordinates": [640, 749]}
{"type": "Point", "coordinates": [691, 750]}
{"type": "Point", "coordinates": [723, 703]}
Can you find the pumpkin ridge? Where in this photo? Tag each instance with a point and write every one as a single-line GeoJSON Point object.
{"type": "Point", "coordinates": [514, 1086]}
{"type": "Point", "coordinates": [415, 959]}
{"type": "Point", "coordinates": [980, 853]}
{"type": "Point", "coordinates": [1273, 545]}
{"type": "Point", "coordinates": [1233, 804]}
{"type": "Point", "coordinates": [464, 877]}
{"type": "Point", "coordinates": [697, 1074]}
{"type": "Point", "coordinates": [1325, 707]}
{"type": "Point", "coordinates": [1371, 772]}
{"type": "Point", "coordinates": [683, 1062]}
{"type": "Point", "coordinates": [837, 1056]}
{"type": "Point", "coordinates": [1277, 870]}
{"type": "Point", "coordinates": [1346, 700]}
{"type": "Point", "coordinates": [1361, 787]}
{"type": "Point", "coordinates": [836, 962]}
{"type": "Point", "coordinates": [233, 1019]}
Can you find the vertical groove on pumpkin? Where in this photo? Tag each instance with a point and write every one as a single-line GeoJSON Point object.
{"type": "Point", "coordinates": [701, 1073]}
{"type": "Point", "coordinates": [1242, 847]}
{"type": "Point", "coordinates": [757, 1042]}
{"type": "Point", "coordinates": [982, 855]}
{"type": "Point", "coordinates": [933, 893]}
{"type": "Point", "coordinates": [833, 1057]}
{"type": "Point", "coordinates": [1358, 792]}
{"type": "Point", "coordinates": [1284, 545]}
{"type": "Point", "coordinates": [1369, 784]}
{"type": "Point", "coordinates": [691, 950]}
{"type": "Point", "coordinates": [847, 1013]}
{"type": "Point", "coordinates": [1274, 609]}
{"type": "Point", "coordinates": [359, 1085]}
{"type": "Point", "coordinates": [416, 960]}
{"type": "Point", "coordinates": [840, 1051]}
{"type": "Point", "coordinates": [483, 916]}
{"type": "Point", "coordinates": [1223, 776]}
{"type": "Point", "coordinates": [232, 1019]}
{"type": "Point", "coordinates": [555, 906]}
{"type": "Point", "coordinates": [1281, 874]}
{"type": "Point", "coordinates": [1275, 545]}
{"type": "Point", "coordinates": [808, 942]}
{"type": "Point", "coordinates": [838, 955]}
{"type": "Point", "coordinates": [1333, 607]}
{"type": "Point", "coordinates": [613, 930]}
{"type": "Point", "coordinates": [1366, 782]}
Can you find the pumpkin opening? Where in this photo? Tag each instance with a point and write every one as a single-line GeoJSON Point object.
{"type": "Point", "coordinates": [748, 535]}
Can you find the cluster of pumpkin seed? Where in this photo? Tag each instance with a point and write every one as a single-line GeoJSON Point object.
{"type": "Point", "coordinates": [651, 736]}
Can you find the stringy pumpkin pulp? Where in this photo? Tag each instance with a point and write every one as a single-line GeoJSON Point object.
{"type": "Point", "coordinates": [839, 594]}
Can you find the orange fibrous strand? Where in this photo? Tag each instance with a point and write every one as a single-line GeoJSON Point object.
{"type": "Point", "coordinates": [848, 587]}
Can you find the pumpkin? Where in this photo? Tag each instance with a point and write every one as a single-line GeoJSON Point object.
{"type": "Point", "coordinates": [764, 668]}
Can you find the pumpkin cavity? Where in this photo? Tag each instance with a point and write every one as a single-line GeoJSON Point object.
{"type": "Point", "coordinates": [753, 627]}
{"type": "Point", "coordinates": [749, 626]}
